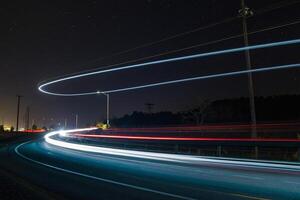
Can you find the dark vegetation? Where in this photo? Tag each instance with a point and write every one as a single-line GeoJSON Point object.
{"type": "Point", "coordinates": [281, 108]}
{"type": "Point", "coordinates": [272, 108]}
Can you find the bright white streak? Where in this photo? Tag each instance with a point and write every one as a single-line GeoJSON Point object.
{"type": "Point", "coordinates": [163, 156]}
{"type": "Point", "coordinates": [65, 132]}
{"type": "Point", "coordinates": [260, 46]}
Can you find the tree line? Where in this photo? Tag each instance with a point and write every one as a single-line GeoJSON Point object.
{"type": "Point", "coordinates": [235, 110]}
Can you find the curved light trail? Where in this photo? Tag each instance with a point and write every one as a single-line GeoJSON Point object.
{"type": "Point", "coordinates": [180, 158]}
{"type": "Point", "coordinates": [17, 151]}
{"type": "Point", "coordinates": [226, 51]}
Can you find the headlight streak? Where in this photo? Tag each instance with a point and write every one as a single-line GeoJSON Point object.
{"type": "Point", "coordinates": [226, 51]}
{"type": "Point", "coordinates": [103, 150]}
{"type": "Point", "coordinates": [110, 181]}
{"type": "Point", "coordinates": [179, 158]}
{"type": "Point", "coordinates": [64, 133]}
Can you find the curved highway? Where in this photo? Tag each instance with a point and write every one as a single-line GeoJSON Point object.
{"type": "Point", "coordinates": [73, 174]}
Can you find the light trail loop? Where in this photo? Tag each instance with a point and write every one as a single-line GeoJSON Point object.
{"type": "Point", "coordinates": [189, 57]}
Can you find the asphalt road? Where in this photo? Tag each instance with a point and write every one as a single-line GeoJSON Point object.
{"type": "Point", "coordinates": [61, 173]}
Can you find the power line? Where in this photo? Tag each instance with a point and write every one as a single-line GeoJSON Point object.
{"type": "Point", "coordinates": [155, 42]}
{"type": "Point", "coordinates": [257, 12]}
{"type": "Point", "coordinates": [18, 111]}
{"type": "Point", "coordinates": [174, 36]}
{"type": "Point", "coordinates": [189, 47]}
{"type": "Point", "coordinates": [276, 6]}
{"type": "Point", "coordinates": [203, 44]}
{"type": "Point", "coordinates": [227, 20]}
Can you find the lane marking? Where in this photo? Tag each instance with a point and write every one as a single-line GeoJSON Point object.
{"type": "Point", "coordinates": [248, 197]}
{"type": "Point", "coordinates": [249, 177]}
{"type": "Point", "coordinates": [292, 182]}
{"type": "Point", "coordinates": [98, 178]}
{"type": "Point", "coordinates": [125, 184]}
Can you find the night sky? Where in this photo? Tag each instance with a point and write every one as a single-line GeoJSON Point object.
{"type": "Point", "coordinates": [41, 40]}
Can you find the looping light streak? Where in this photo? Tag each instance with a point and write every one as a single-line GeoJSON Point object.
{"type": "Point", "coordinates": [214, 53]}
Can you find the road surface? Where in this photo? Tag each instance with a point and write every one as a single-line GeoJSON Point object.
{"type": "Point", "coordinates": [71, 174]}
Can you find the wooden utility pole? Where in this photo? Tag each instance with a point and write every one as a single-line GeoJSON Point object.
{"type": "Point", "coordinates": [18, 111]}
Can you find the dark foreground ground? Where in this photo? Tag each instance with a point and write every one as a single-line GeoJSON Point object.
{"type": "Point", "coordinates": [13, 186]}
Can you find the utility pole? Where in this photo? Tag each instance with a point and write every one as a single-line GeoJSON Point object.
{"type": "Point", "coordinates": [76, 120]}
{"type": "Point", "coordinates": [245, 12]}
{"type": "Point", "coordinates": [18, 111]}
{"type": "Point", "coordinates": [27, 118]}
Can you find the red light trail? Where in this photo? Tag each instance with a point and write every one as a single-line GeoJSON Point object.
{"type": "Point", "coordinates": [129, 137]}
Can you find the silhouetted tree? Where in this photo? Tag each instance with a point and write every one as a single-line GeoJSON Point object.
{"type": "Point", "coordinates": [34, 127]}
{"type": "Point", "coordinates": [198, 114]}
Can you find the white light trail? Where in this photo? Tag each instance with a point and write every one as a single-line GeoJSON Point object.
{"type": "Point", "coordinates": [137, 187]}
{"type": "Point", "coordinates": [233, 50]}
{"type": "Point", "coordinates": [179, 158]}
{"type": "Point", "coordinates": [64, 133]}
